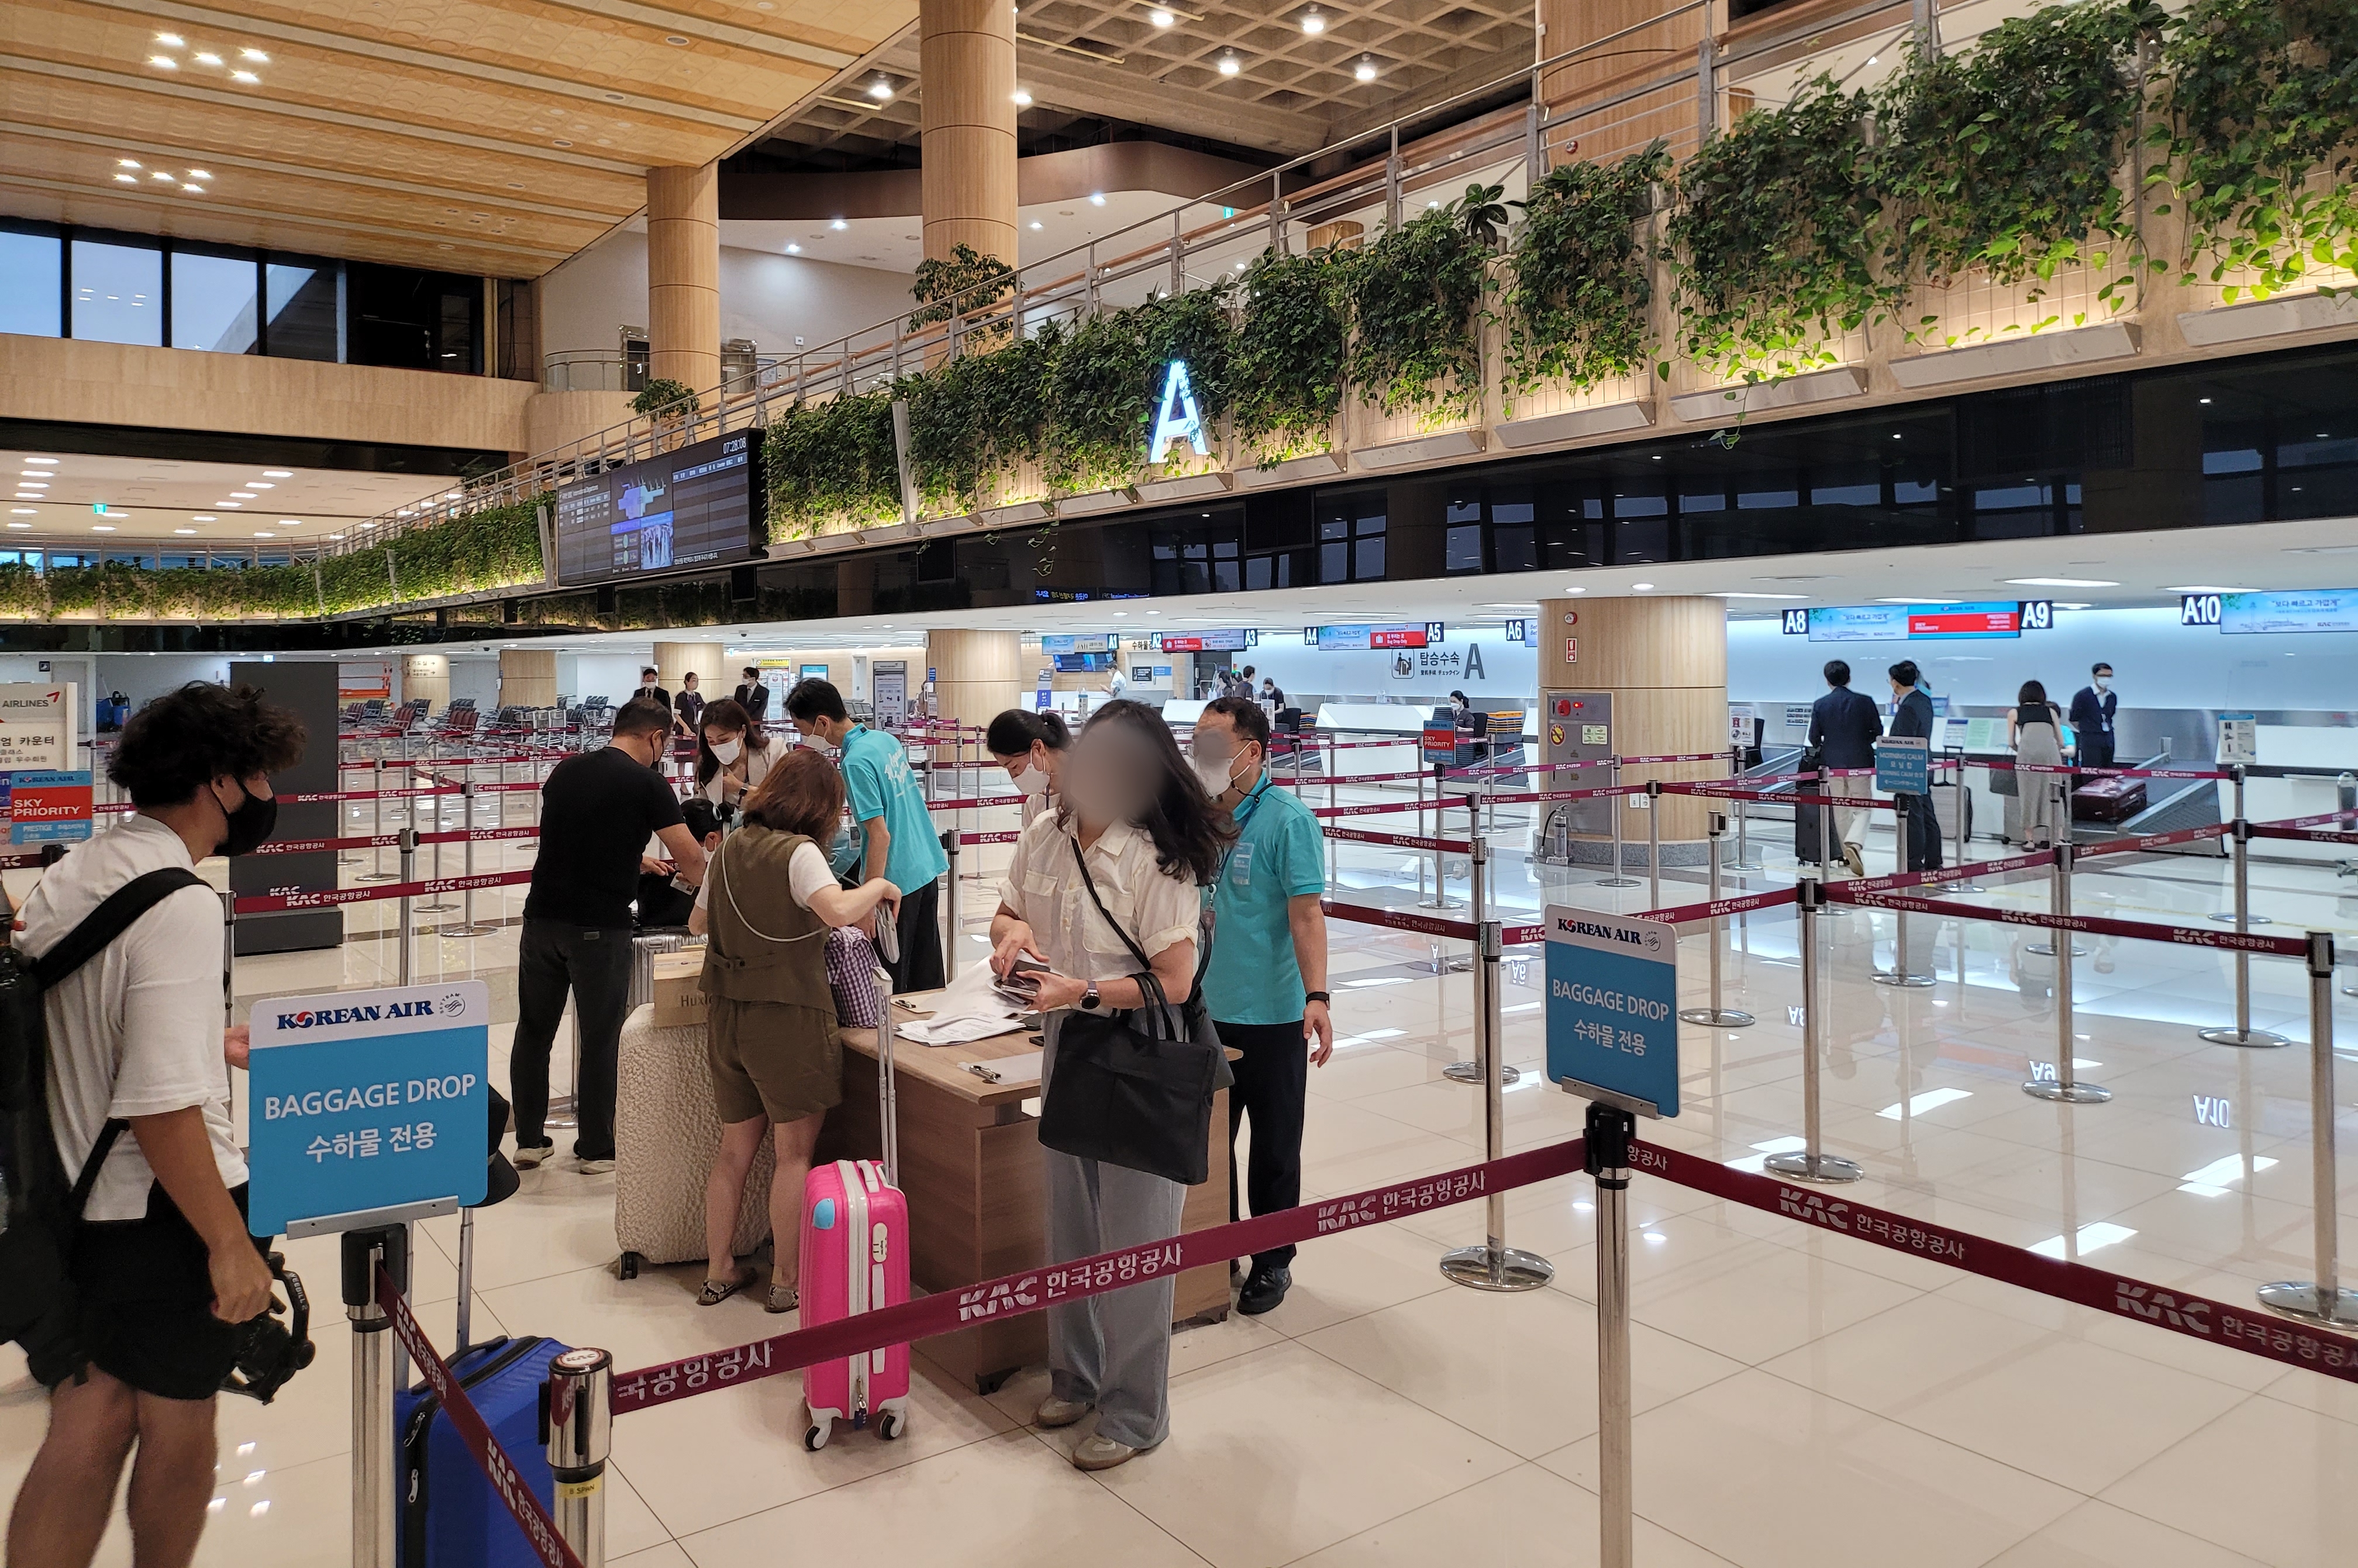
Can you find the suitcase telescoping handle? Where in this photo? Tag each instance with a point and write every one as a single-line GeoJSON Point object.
{"type": "Point", "coordinates": [888, 1097]}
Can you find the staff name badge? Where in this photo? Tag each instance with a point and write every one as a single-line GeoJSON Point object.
{"type": "Point", "coordinates": [368, 1106]}
{"type": "Point", "coordinates": [1612, 1009]}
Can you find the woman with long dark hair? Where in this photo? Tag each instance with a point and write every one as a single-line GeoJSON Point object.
{"type": "Point", "coordinates": [1031, 747]}
{"type": "Point", "coordinates": [2034, 728]}
{"type": "Point", "coordinates": [1132, 838]}
{"type": "Point", "coordinates": [732, 755]}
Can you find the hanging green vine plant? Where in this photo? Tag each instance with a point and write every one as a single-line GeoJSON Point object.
{"type": "Point", "coordinates": [2264, 97]}
{"type": "Point", "coordinates": [1416, 299]}
{"type": "Point", "coordinates": [1097, 437]}
{"type": "Point", "coordinates": [968, 284]}
{"type": "Point", "coordinates": [833, 463]}
{"type": "Point", "coordinates": [979, 415]}
{"type": "Point", "coordinates": [1775, 246]}
{"type": "Point", "coordinates": [664, 399]}
{"type": "Point", "coordinates": [1290, 349]}
{"type": "Point", "coordinates": [2002, 160]}
{"type": "Point", "coordinates": [1574, 304]}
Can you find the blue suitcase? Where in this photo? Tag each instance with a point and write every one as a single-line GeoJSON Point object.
{"type": "Point", "coordinates": [448, 1518]}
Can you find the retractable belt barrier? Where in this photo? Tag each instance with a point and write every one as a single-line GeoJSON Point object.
{"type": "Point", "coordinates": [393, 840]}
{"type": "Point", "coordinates": [1400, 920]}
{"type": "Point", "coordinates": [2008, 764]}
{"type": "Point", "coordinates": [326, 898]}
{"type": "Point", "coordinates": [1400, 840]}
{"type": "Point", "coordinates": [2095, 925]}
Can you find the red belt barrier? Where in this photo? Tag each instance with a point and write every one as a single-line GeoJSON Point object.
{"type": "Point", "coordinates": [329, 898]}
{"type": "Point", "coordinates": [964, 801]}
{"type": "Point", "coordinates": [1686, 913]}
{"type": "Point", "coordinates": [2197, 1317]}
{"type": "Point", "coordinates": [1521, 797]}
{"type": "Point", "coordinates": [393, 840]}
{"type": "Point", "coordinates": [1521, 936]}
{"type": "Point", "coordinates": [2302, 834]}
{"type": "Point", "coordinates": [2183, 936]}
{"type": "Point", "coordinates": [1714, 789]}
{"type": "Point", "coordinates": [1379, 778]}
{"type": "Point", "coordinates": [1401, 841]}
{"type": "Point", "coordinates": [1008, 837]}
{"type": "Point", "coordinates": [1398, 920]}
{"type": "Point", "coordinates": [2346, 819]}
{"type": "Point", "coordinates": [1952, 874]}
{"type": "Point", "coordinates": [1035, 1290]}
{"type": "Point", "coordinates": [1376, 808]}
{"type": "Point", "coordinates": [1680, 757]}
{"type": "Point", "coordinates": [514, 1493]}
{"type": "Point", "coordinates": [2154, 840]}
{"type": "Point", "coordinates": [2003, 764]}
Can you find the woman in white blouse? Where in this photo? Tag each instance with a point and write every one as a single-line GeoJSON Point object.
{"type": "Point", "coordinates": [732, 755]}
{"type": "Point", "coordinates": [1132, 806]}
{"type": "Point", "coordinates": [1031, 747]}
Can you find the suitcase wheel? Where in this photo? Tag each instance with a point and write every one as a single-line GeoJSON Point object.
{"type": "Point", "coordinates": [890, 1425]}
{"type": "Point", "coordinates": [630, 1265]}
{"type": "Point", "coordinates": [816, 1438]}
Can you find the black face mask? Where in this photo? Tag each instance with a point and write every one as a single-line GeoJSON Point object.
{"type": "Point", "coordinates": [249, 825]}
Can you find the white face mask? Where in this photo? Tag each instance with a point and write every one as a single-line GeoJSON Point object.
{"type": "Point", "coordinates": [727, 750]}
{"type": "Point", "coordinates": [2104, 683]}
{"type": "Point", "coordinates": [813, 741]}
{"type": "Point", "coordinates": [1216, 773]}
{"type": "Point", "coordinates": [1030, 780]}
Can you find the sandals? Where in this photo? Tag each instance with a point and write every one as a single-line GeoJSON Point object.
{"type": "Point", "coordinates": [715, 1291]}
{"type": "Point", "coordinates": [782, 1298]}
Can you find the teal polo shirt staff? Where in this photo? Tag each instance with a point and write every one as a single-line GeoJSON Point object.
{"type": "Point", "coordinates": [1280, 854]}
{"type": "Point", "coordinates": [876, 776]}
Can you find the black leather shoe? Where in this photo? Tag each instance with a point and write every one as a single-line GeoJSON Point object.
{"type": "Point", "coordinates": [1263, 1291]}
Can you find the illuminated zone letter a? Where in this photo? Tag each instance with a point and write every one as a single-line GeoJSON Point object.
{"type": "Point", "coordinates": [1176, 416]}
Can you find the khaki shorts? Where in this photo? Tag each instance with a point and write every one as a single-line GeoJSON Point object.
{"type": "Point", "coordinates": [771, 1059]}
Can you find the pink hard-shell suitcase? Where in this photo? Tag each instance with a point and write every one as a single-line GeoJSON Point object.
{"type": "Point", "coordinates": [855, 1258]}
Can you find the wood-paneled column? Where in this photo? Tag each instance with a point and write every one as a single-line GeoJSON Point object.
{"type": "Point", "coordinates": [1665, 660]}
{"type": "Point", "coordinates": [684, 276]}
{"type": "Point", "coordinates": [967, 64]}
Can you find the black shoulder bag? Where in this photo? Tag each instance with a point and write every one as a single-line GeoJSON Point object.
{"type": "Point", "coordinates": [1135, 1088]}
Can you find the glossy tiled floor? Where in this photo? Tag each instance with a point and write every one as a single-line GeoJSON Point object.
{"type": "Point", "coordinates": [1803, 1398]}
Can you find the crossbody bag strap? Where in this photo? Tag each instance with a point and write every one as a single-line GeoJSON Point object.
{"type": "Point", "coordinates": [1150, 985]}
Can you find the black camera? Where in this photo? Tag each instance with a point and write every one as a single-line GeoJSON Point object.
{"type": "Point", "coordinates": [269, 1352]}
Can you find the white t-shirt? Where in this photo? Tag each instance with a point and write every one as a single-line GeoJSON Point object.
{"type": "Point", "coordinates": [137, 1030]}
{"type": "Point", "coordinates": [1044, 886]}
{"type": "Point", "coordinates": [807, 874]}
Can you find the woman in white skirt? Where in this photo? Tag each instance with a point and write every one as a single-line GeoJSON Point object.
{"type": "Point", "coordinates": [2034, 728]}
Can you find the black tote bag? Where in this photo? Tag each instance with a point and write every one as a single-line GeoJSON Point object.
{"type": "Point", "coordinates": [1134, 1088]}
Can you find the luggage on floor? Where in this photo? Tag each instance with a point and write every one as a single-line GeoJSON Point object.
{"type": "Point", "coordinates": [446, 1514]}
{"type": "Point", "coordinates": [2108, 800]}
{"type": "Point", "coordinates": [855, 1258]}
{"type": "Point", "coordinates": [665, 1134]}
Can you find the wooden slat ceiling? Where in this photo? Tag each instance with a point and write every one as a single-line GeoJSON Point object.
{"type": "Point", "coordinates": [495, 136]}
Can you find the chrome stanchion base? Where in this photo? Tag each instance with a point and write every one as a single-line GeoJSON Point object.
{"type": "Point", "coordinates": [1803, 1167]}
{"type": "Point", "coordinates": [1471, 1073]}
{"type": "Point", "coordinates": [2250, 1040]}
{"type": "Point", "coordinates": [1508, 1269]}
{"type": "Point", "coordinates": [1717, 1017]}
{"type": "Point", "coordinates": [2300, 1299]}
{"type": "Point", "coordinates": [462, 928]}
{"type": "Point", "coordinates": [1905, 981]}
{"type": "Point", "coordinates": [2067, 1094]}
{"type": "Point", "coordinates": [435, 908]}
{"type": "Point", "coordinates": [378, 877]}
{"type": "Point", "coordinates": [2227, 917]}
{"type": "Point", "coordinates": [2047, 950]}
{"type": "Point", "coordinates": [1441, 904]}
{"type": "Point", "coordinates": [1618, 880]}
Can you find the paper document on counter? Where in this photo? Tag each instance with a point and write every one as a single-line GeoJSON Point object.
{"type": "Point", "coordinates": [968, 1009]}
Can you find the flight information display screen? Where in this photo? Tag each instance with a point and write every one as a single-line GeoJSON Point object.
{"type": "Point", "coordinates": [692, 507]}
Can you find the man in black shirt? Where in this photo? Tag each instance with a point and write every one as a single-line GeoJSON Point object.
{"type": "Point", "coordinates": [752, 696]}
{"type": "Point", "coordinates": [597, 812]}
{"type": "Point", "coordinates": [650, 691]}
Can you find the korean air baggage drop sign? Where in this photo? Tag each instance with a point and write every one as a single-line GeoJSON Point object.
{"type": "Point", "coordinates": [1613, 1009]}
{"type": "Point", "coordinates": [365, 1101]}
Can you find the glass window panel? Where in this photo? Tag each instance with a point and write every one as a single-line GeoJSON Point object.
{"type": "Point", "coordinates": [1764, 499]}
{"type": "Point", "coordinates": [118, 293]}
{"type": "Point", "coordinates": [216, 304]}
{"type": "Point", "coordinates": [33, 265]}
{"type": "Point", "coordinates": [1915, 493]}
{"type": "Point", "coordinates": [1846, 495]}
{"type": "Point", "coordinates": [1516, 550]}
{"type": "Point", "coordinates": [301, 296]}
{"type": "Point", "coordinates": [2245, 461]}
{"type": "Point", "coordinates": [1369, 564]}
{"type": "Point", "coordinates": [1334, 563]}
{"type": "Point", "coordinates": [1463, 549]}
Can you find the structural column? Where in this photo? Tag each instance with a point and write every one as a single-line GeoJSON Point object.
{"type": "Point", "coordinates": [527, 678]}
{"type": "Point", "coordinates": [684, 276]}
{"type": "Point", "coordinates": [706, 660]}
{"type": "Point", "coordinates": [1609, 70]}
{"type": "Point", "coordinates": [967, 64]}
{"type": "Point", "coordinates": [1664, 661]}
{"type": "Point", "coordinates": [977, 675]}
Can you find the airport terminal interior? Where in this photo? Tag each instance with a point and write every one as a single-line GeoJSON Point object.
{"type": "Point", "coordinates": [1742, 1145]}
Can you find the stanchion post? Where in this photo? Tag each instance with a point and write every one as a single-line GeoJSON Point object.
{"type": "Point", "coordinates": [365, 1252]}
{"type": "Point", "coordinates": [577, 1424]}
{"type": "Point", "coordinates": [1614, 879]}
{"type": "Point", "coordinates": [1653, 843]}
{"type": "Point", "coordinates": [2243, 1034]}
{"type": "Point", "coordinates": [1716, 1014]}
{"type": "Point", "coordinates": [401, 919]}
{"type": "Point", "coordinates": [1744, 860]}
{"type": "Point", "coordinates": [1964, 809]}
{"type": "Point", "coordinates": [1899, 974]}
{"type": "Point", "coordinates": [1606, 1157]}
{"type": "Point", "coordinates": [2064, 1087]}
{"type": "Point", "coordinates": [951, 937]}
{"type": "Point", "coordinates": [2322, 1298]}
{"type": "Point", "coordinates": [1810, 1162]}
{"type": "Point", "coordinates": [376, 871]}
{"type": "Point", "coordinates": [463, 1328]}
{"type": "Point", "coordinates": [1478, 887]}
{"type": "Point", "coordinates": [1494, 1265]}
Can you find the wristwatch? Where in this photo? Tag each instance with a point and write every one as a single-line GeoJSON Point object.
{"type": "Point", "coordinates": [1089, 998]}
{"type": "Point", "coordinates": [1317, 996]}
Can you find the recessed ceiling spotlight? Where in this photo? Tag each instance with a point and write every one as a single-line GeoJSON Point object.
{"type": "Point", "coordinates": [184, 530]}
{"type": "Point", "coordinates": [1240, 267]}
{"type": "Point", "coordinates": [102, 527]}
{"type": "Point", "coordinates": [20, 524]}
{"type": "Point", "coordinates": [839, 224]}
{"type": "Point", "coordinates": [159, 174]}
{"type": "Point", "coordinates": [163, 63]}
{"type": "Point", "coordinates": [255, 55]}
{"type": "Point", "coordinates": [1366, 69]}
{"type": "Point", "coordinates": [203, 517]}
{"type": "Point", "coordinates": [674, 40]}
{"type": "Point", "coordinates": [128, 178]}
{"type": "Point", "coordinates": [1097, 197]}
{"type": "Point", "coordinates": [41, 462]}
{"type": "Point", "coordinates": [201, 174]}
{"type": "Point", "coordinates": [127, 163]}
{"type": "Point", "coordinates": [264, 534]}
{"type": "Point", "coordinates": [205, 58]}
{"type": "Point", "coordinates": [23, 511]}
{"type": "Point", "coordinates": [243, 494]}
{"type": "Point", "coordinates": [171, 40]}
{"type": "Point", "coordinates": [246, 77]}
{"type": "Point", "coordinates": [230, 505]}
{"type": "Point", "coordinates": [1036, 222]}
{"type": "Point", "coordinates": [793, 249]}
{"type": "Point", "coordinates": [290, 522]}
{"type": "Point", "coordinates": [1229, 63]}
{"type": "Point", "coordinates": [1161, 17]}
{"type": "Point", "coordinates": [881, 88]}
{"type": "Point", "coordinates": [2063, 582]}
{"type": "Point", "coordinates": [259, 484]}
{"type": "Point", "coordinates": [278, 474]}
{"type": "Point", "coordinates": [194, 189]}
{"type": "Point", "coordinates": [1314, 21]}
{"type": "Point", "coordinates": [1021, 99]}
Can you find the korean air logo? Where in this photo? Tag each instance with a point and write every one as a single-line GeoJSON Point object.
{"type": "Point", "coordinates": [453, 1005]}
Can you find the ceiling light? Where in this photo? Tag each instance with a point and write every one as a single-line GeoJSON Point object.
{"type": "Point", "coordinates": [49, 462]}
{"type": "Point", "coordinates": [881, 88]}
{"type": "Point", "coordinates": [1641, 587]}
{"type": "Point", "coordinates": [203, 517]}
{"type": "Point", "coordinates": [194, 189]}
{"type": "Point", "coordinates": [2067, 605]}
{"type": "Point", "coordinates": [1021, 99]}
{"type": "Point", "coordinates": [127, 179]}
{"type": "Point", "coordinates": [1240, 267]}
{"type": "Point", "coordinates": [264, 534]}
{"type": "Point", "coordinates": [259, 484]}
{"type": "Point", "coordinates": [127, 163]}
{"type": "Point", "coordinates": [1366, 69]}
{"type": "Point", "coordinates": [170, 41]}
{"type": "Point", "coordinates": [1097, 197]}
{"type": "Point", "coordinates": [201, 174]}
{"type": "Point", "coordinates": [32, 484]}
{"type": "Point", "coordinates": [793, 249]}
{"type": "Point", "coordinates": [1575, 591]}
{"type": "Point", "coordinates": [278, 474]}
{"type": "Point", "coordinates": [209, 59]}
{"type": "Point", "coordinates": [20, 524]}
{"type": "Point", "coordinates": [231, 505]}
{"type": "Point", "coordinates": [243, 494]}
{"type": "Point", "coordinates": [1036, 222]}
{"type": "Point", "coordinates": [2206, 587]}
{"type": "Point", "coordinates": [184, 530]}
{"type": "Point", "coordinates": [1725, 595]}
{"type": "Point", "coordinates": [674, 40]}
{"type": "Point", "coordinates": [23, 511]}
{"type": "Point", "coordinates": [839, 224]}
{"type": "Point", "coordinates": [159, 174]}
{"type": "Point", "coordinates": [2063, 582]}
{"type": "Point", "coordinates": [102, 527]}
{"type": "Point", "coordinates": [1314, 21]}
{"type": "Point", "coordinates": [290, 522]}
{"type": "Point", "coordinates": [254, 55]}
{"type": "Point", "coordinates": [163, 60]}
{"type": "Point", "coordinates": [245, 76]}
{"type": "Point", "coordinates": [1229, 63]}
{"type": "Point", "coordinates": [335, 535]}
{"type": "Point", "coordinates": [1919, 598]}
{"type": "Point", "coordinates": [1161, 17]}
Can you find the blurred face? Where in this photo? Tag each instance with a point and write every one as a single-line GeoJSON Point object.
{"type": "Point", "coordinates": [1113, 774]}
{"type": "Point", "coordinates": [1220, 755]}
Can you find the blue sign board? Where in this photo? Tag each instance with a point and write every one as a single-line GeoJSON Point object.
{"type": "Point", "coordinates": [1903, 764]}
{"type": "Point", "coordinates": [368, 1100]}
{"type": "Point", "coordinates": [2314, 610]}
{"type": "Point", "coordinates": [46, 808]}
{"type": "Point", "coordinates": [1613, 1009]}
{"type": "Point", "coordinates": [1859, 624]}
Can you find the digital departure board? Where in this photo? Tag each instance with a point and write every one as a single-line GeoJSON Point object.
{"type": "Point", "coordinates": [694, 507]}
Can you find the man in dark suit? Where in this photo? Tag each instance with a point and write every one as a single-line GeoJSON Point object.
{"type": "Point", "coordinates": [1914, 718]}
{"type": "Point", "coordinates": [649, 691]}
{"type": "Point", "coordinates": [752, 696]}
{"type": "Point", "coordinates": [1844, 726]}
{"type": "Point", "coordinates": [2093, 707]}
